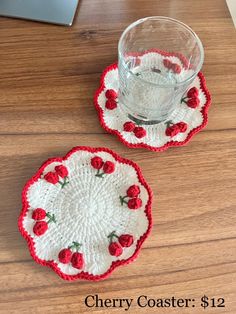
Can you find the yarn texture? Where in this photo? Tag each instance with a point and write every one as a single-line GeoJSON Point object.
{"type": "Point", "coordinates": [67, 225]}
{"type": "Point", "coordinates": [192, 110]}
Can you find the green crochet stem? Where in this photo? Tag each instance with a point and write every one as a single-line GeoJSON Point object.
{"type": "Point", "coordinates": [183, 100]}
{"type": "Point", "coordinates": [99, 175]}
{"type": "Point", "coordinates": [64, 183]}
{"type": "Point", "coordinates": [51, 218]}
{"type": "Point", "coordinates": [75, 245]}
{"type": "Point", "coordinates": [122, 200]}
{"type": "Point", "coordinates": [169, 123]}
{"type": "Point", "coordinates": [112, 235]}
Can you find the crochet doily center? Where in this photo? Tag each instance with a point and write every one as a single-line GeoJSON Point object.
{"type": "Point", "coordinates": [86, 206]}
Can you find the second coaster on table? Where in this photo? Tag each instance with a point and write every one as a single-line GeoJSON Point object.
{"type": "Point", "coordinates": [189, 117]}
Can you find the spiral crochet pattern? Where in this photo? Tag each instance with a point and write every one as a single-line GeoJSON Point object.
{"type": "Point", "coordinates": [82, 208]}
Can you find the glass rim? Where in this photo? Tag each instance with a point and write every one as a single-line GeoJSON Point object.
{"type": "Point", "coordinates": [174, 21]}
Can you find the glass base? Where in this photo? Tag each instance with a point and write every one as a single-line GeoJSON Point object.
{"type": "Point", "coordinates": [144, 122]}
{"type": "Point", "coordinates": [142, 119]}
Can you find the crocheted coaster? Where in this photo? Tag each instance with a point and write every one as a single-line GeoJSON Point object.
{"type": "Point", "coordinates": [87, 213]}
{"type": "Point", "coordinates": [189, 117]}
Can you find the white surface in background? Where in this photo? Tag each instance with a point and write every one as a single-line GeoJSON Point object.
{"type": "Point", "coordinates": [232, 8]}
{"type": "Point", "coordinates": [51, 11]}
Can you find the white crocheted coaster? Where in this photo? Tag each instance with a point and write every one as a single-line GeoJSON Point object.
{"type": "Point", "coordinates": [87, 213]}
{"type": "Point", "coordinates": [189, 117]}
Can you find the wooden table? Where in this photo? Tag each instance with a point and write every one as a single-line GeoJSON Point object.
{"type": "Point", "coordinates": [48, 78]}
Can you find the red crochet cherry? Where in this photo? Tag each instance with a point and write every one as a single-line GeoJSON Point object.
{"type": "Point", "coordinates": [172, 130]}
{"type": "Point", "coordinates": [133, 191]}
{"type": "Point", "coordinates": [110, 93]}
{"type": "Point", "coordinates": [115, 249]}
{"type": "Point", "coordinates": [111, 104]}
{"type": "Point", "coordinates": [182, 126]}
{"type": "Point", "coordinates": [64, 256]}
{"type": "Point", "coordinates": [193, 102]}
{"type": "Point", "coordinates": [193, 92]}
{"type": "Point", "coordinates": [167, 63]}
{"type": "Point", "coordinates": [40, 228]}
{"type": "Point", "coordinates": [176, 68]}
{"type": "Point", "coordinates": [39, 214]}
{"type": "Point", "coordinates": [97, 162]}
{"type": "Point", "coordinates": [134, 203]}
{"type": "Point", "coordinates": [51, 177]}
{"type": "Point", "coordinates": [61, 171]}
{"type": "Point", "coordinates": [139, 132]}
{"type": "Point", "coordinates": [129, 126]}
{"type": "Point", "coordinates": [126, 240]}
{"type": "Point", "coordinates": [77, 260]}
{"type": "Point", "coordinates": [108, 167]}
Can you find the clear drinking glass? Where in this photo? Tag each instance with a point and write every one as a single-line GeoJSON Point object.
{"type": "Point", "coordinates": [159, 57]}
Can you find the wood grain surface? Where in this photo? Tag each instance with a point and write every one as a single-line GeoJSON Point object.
{"type": "Point", "coordinates": [48, 77]}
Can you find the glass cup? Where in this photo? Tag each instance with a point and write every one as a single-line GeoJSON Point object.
{"type": "Point", "coordinates": [159, 58]}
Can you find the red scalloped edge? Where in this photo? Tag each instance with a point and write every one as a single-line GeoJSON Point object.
{"type": "Point", "coordinates": [204, 109]}
{"type": "Point", "coordinates": [115, 264]}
